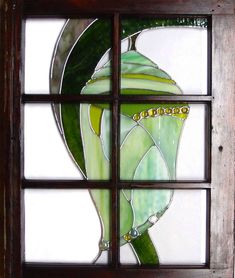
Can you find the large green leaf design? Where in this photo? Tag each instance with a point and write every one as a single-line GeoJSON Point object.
{"type": "Point", "coordinates": [150, 131]}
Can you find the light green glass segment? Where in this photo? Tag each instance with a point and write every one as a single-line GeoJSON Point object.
{"type": "Point", "coordinates": [95, 131]}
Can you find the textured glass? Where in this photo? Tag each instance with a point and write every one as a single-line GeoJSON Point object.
{"type": "Point", "coordinates": [162, 141]}
{"type": "Point", "coordinates": [64, 225]}
{"type": "Point", "coordinates": [164, 56]}
{"type": "Point", "coordinates": [177, 238]}
{"type": "Point", "coordinates": [47, 156]}
{"type": "Point", "coordinates": [40, 39]}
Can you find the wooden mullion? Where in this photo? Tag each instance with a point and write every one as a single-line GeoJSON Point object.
{"type": "Point", "coordinates": [59, 98]}
{"type": "Point", "coordinates": [165, 99]}
{"type": "Point", "coordinates": [40, 98]}
{"type": "Point", "coordinates": [74, 271]}
{"type": "Point", "coordinates": [115, 135]}
{"type": "Point", "coordinates": [90, 184]}
{"type": "Point", "coordinates": [3, 138]}
{"type": "Point", "coordinates": [66, 184]}
{"type": "Point", "coordinates": [164, 185]}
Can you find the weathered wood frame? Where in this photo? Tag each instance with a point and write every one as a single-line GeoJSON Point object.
{"type": "Point", "coordinates": [220, 184]}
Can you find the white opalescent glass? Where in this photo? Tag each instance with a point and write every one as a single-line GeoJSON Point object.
{"type": "Point", "coordinates": [40, 40]}
{"type": "Point", "coordinates": [181, 52]}
{"type": "Point", "coordinates": [191, 151]}
{"type": "Point", "coordinates": [61, 226]}
{"type": "Point", "coordinates": [45, 154]}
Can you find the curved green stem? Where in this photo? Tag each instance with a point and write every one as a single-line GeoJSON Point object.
{"type": "Point", "coordinates": [145, 250]}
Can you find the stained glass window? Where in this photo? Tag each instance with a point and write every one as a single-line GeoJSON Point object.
{"type": "Point", "coordinates": [160, 134]}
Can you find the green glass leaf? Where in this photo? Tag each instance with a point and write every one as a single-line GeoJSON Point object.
{"type": "Point", "coordinates": [72, 135]}
{"type": "Point", "coordinates": [145, 249]}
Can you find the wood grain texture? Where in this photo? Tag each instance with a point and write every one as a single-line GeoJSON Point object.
{"type": "Point", "coordinates": [223, 157]}
{"type": "Point", "coordinates": [10, 140]}
{"type": "Point", "coordinates": [60, 271]}
{"type": "Point", "coordinates": [223, 119]}
{"type": "Point", "coordinates": [73, 7]}
{"type": "Point", "coordinates": [31, 270]}
{"type": "Point", "coordinates": [2, 189]}
{"type": "Point", "coordinates": [73, 98]}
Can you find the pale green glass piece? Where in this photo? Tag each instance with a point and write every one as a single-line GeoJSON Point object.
{"type": "Point", "coordinates": [127, 215]}
{"type": "Point", "coordinates": [165, 131]}
{"type": "Point", "coordinates": [98, 168]}
{"type": "Point", "coordinates": [152, 166]}
{"type": "Point", "coordinates": [132, 151]}
{"type": "Point", "coordinates": [147, 203]}
{"type": "Point", "coordinates": [105, 133]}
{"type": "Point", "coordinates": [127, 124]}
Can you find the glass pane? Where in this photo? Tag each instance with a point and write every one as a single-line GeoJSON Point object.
{"type": "Point", "coordinates": [76, 56]}
{"type": "Point", "coordinates": [67, 226]}
{"type": "Point", "coordinates": [67, 141]}
{"type": "Point", "coordinates": [164, 56]}
{"type": "Point", "coordinates": [163, 226]}
{"type": "Point", "coordinates": [40, 39]}
{"type": "Point", "coordinates": [162, 141]}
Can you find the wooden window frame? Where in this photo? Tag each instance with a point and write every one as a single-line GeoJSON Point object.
{"type": "Point", "coordinates": [220, 178]}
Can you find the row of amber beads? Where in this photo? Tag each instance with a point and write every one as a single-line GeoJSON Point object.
{"type": "Point", "coordinates": [154, 112]}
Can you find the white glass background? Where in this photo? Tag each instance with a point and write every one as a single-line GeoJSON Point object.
{"type": "Point", "coordinates": [181, 52]}
{"type": "Point", "coordinates": [40, 40]}
{"type": "Point", "coordinates": [45, 154]}
{"type": "Point", "coordinates": [61, 226]}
